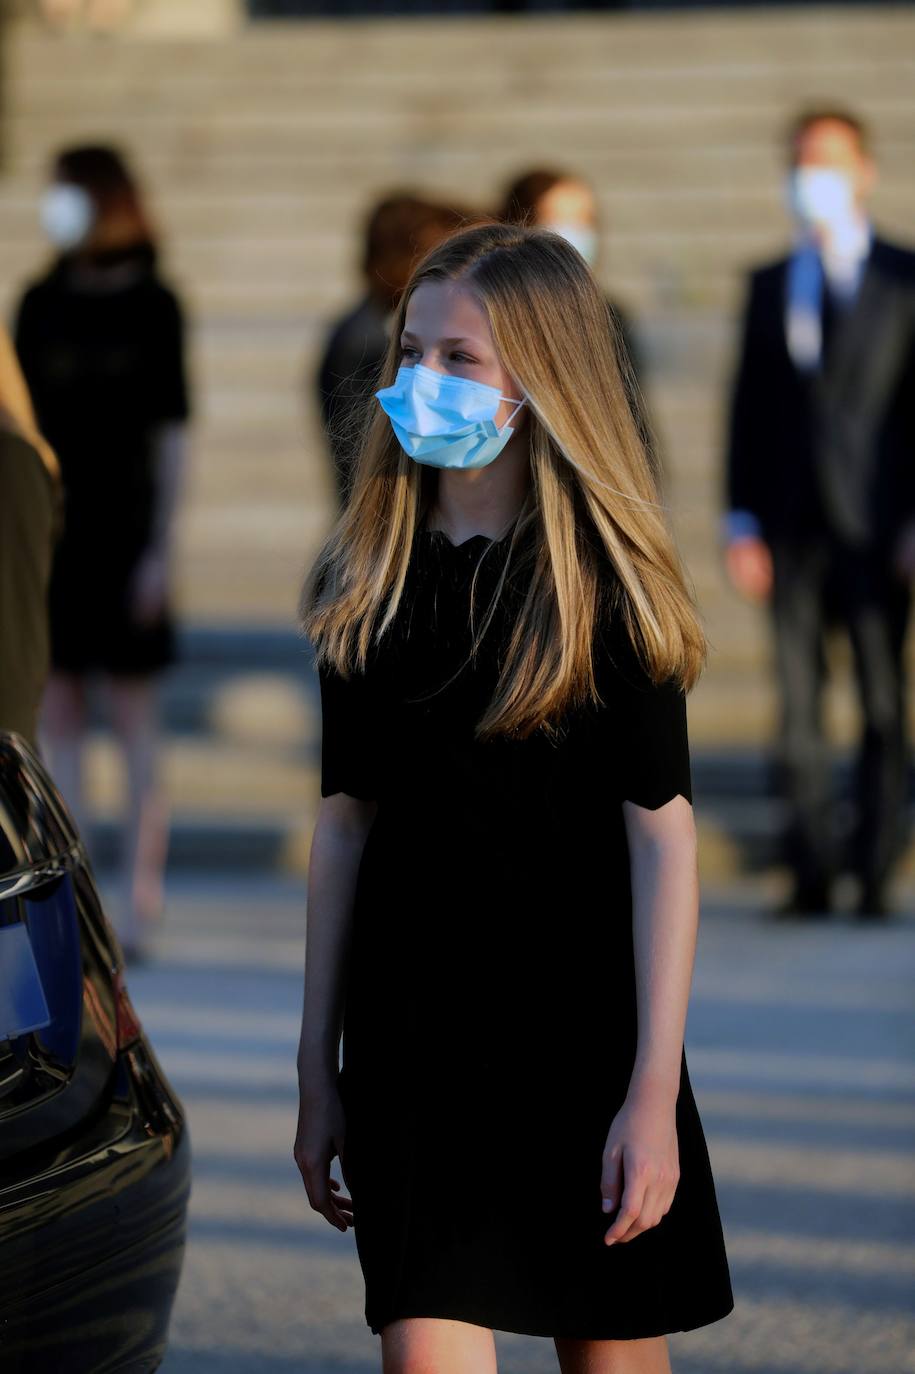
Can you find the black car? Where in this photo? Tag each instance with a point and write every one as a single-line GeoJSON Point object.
{"type": "Point", "coordinates": [94, 1146]}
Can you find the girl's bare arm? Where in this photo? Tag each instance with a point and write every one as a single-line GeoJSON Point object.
{"type": "Point", "coordinates": [641, 1167]}
{"type": "Point", "coordinates": [340, 834]}
{"type": "Point", "coordinates": [339, 838]}
{"type": "Point", "coordinates": [665, 914]}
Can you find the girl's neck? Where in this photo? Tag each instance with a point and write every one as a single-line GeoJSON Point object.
{"type": "Point", "coordinates": [481, 500]}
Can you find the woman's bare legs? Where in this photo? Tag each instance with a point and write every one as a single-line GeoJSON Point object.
{"type": "Point", "coordinates": [649, 1356]}
{"type": "Point", "coordinates": [436, 1345]}
{"type": "Point", "coordinates": [62, 737]}
{"type": "Point", "coordinates": [134, 712]}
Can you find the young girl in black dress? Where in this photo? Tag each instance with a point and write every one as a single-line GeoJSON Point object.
{"type": "Point", "coordinates": [503, 892]}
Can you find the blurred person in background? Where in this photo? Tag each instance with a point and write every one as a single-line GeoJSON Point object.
{"type": "Point", "coordinates": [398, 231]}
{"type": "Point", "coordinates": [101, 341]}
{"type": "Point", "coordinates": [820, 495]}
{"type": "Point", "coordinates": [551, 199]}
{"type": "Point", "coordinates": [29, 523]}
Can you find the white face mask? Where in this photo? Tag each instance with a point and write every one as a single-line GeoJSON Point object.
{"type": "Point", "coordinates": [67, 214]}
{"type": "Point", "coordinates": [581, 236]}
{"type": "Point", "coordinates": [820, 197]}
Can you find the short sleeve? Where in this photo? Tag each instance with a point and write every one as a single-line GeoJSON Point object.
{"type": "Point", "coordinates": [348, 739]}
{"type": "Point", "coordinates": [648, 730]}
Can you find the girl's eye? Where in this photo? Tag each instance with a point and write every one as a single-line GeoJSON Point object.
{"type": "Point", "coordinates": [406, 350]}
{"type": "Point", "coordinates": [462, 358]}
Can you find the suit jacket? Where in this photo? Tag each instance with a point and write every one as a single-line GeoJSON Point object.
{"type": "Point", "coordinates": [833, 449]}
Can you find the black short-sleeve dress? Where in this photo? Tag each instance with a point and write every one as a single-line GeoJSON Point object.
{"type": "Point", "coordinates": [490, 1017]}
{"type": "Point", "coordinates": [106, 368]}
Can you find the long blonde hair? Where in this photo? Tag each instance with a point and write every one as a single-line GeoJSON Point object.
{"type": "Point", "coordinates": [592, 495]}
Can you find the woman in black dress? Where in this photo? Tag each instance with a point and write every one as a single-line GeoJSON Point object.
{"type": "Point", "coordinates": [100, 338]}
{"type": "Point", "coordinates": [503, 895]}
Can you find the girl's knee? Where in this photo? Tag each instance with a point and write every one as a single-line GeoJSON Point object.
{"type": "Point", "coordinates": [436, 1345]}
{"type": "Point", "coordinates": [649, 1355]}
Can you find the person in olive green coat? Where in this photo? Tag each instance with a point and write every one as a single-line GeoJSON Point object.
{"type": "Point", "coordinates": [29, 516]}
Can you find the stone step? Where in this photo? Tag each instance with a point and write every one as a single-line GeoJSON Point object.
{"type": "Point", "coordinates": [220, 777]}
{"type": "Point", "coordinates": [706, 42]}
{"type": "Point", "coordinates": [149, 119]}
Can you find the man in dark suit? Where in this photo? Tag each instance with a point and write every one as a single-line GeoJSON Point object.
{"type": "Point", "coordinates": [820, 495]}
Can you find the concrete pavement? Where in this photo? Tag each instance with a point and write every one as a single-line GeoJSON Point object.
{"type": "Point", "coordinates": [801, 1045]}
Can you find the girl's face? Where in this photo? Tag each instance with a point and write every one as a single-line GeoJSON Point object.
{"type": "Point", "coordinates": [447, 330]}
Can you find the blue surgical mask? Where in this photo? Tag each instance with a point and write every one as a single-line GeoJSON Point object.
{"type": "Point", "coordinates": [444, 421]}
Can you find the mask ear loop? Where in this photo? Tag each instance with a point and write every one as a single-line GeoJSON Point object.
{"type": "Point", "coordinates": [518, 406]}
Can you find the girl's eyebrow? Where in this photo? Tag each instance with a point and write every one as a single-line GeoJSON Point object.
{"type": "Point", "coordinates": [408, 334]}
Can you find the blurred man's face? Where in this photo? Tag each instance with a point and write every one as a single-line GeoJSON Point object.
{"type": "Point", "coordinates": [831, 145]}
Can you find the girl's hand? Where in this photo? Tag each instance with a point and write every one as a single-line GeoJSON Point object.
{"type": "Point", "coordinates": [641, 1163]}
{"type": "Point", "coordinates": [749, 566]}
{"type": "Point", "coordinates": [319, 1138]}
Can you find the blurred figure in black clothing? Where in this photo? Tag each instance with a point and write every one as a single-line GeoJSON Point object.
{"type": "Point", "coordinates": [399, 230]}
{"type": "Point", "coordinates": [821, 494]}
{"type": "Point", "coordinates": [100, 339]}
{"type": "Point", "coordinates": [566, 204]}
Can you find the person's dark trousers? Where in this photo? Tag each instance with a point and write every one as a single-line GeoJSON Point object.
{"type": "Point", "coordinates": [817, 584]}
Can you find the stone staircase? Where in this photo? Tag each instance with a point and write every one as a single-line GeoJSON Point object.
{"type": "Point", "coordinates": [263, 147]}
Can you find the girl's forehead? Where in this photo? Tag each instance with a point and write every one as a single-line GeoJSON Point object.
{"type": "Point", "coordinates": [446, 309]}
